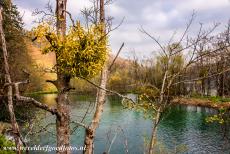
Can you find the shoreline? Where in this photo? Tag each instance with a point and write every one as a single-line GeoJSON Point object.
{"type": "Point", "coordinates": [202, 103]}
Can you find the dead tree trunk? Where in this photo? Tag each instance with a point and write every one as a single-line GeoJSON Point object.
{"type": "Point", "coordinates": [62, 121]}
{"type": "Point", "coordinates": [101, 96]}
{"type": "Point", "coordinates": [14, 123]}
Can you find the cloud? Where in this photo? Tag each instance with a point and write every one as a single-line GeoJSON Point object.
{"type": "Point", "coordinates": [116, 10]}
{"type": "Point", "coordinates": [202, 5]}
{"type": "Point", "coordinates": [75, 6]}
{"type": "Point", "coordinates": [159, 17]}
{"type": "Point", "coordinates": [27, 17]}
{"type": "Point", "coordinates": [31, 4]}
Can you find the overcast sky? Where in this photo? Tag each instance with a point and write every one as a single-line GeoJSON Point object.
{"type": "Point", "coordinates": [159, 17]}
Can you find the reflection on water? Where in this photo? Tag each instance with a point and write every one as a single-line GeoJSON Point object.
{"type": "Point", "coordinates": [181, 126]}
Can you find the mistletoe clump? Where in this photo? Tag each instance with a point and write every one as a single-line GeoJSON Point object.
{"type": "Point", "coordinates": [80, 53]}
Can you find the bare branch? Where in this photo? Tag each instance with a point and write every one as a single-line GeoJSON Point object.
{"type": "Point", "coordinates": [38, 104]}
{"type": "Point", "coordinates": [154, 39]}
{"type": "Point", "coordinates": [71, 18]}
{"type": "Point", "coordinates": [110, 67]}
{"type": "Point", "coordinates": [80, 124]}
{"type": "Point", "coordinates": [109, 91]}
{"type": "Point", "coordinates": [87, 111]}
{"type": "Point", "coordinates": [54, 82]}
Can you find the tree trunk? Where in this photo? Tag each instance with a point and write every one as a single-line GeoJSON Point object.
{"type": "Point", "coordinates": [209, 87]}
{"type": "Point", "coordinates": [14, 123]}
{"type": "Point", "coordinates": [154, 132]}
{"type": "Point", "coordinates": [102, 13]}
{"type": "Point", "coordinates": [221, 85]}
{"type": "Point", "coordinates": [179, 87]}
{"type": "Point", "coordinates": [203, 87]}
{"type": "Point", "coordinates": [62, 121]}
{"type": "Point", "coordinates": [221, 78]}
{"type": "Point", "coordinates": [101, 96]}
{"type": "Point", "coordinates": [158, 115]}
{"type": "Point", "coordinates": [61, 17]}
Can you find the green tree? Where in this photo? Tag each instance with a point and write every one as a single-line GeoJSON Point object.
{"type": "Point", "coordinates": [18, 56]}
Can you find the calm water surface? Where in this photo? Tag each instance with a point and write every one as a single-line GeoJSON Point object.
{"type": "Point", "coordinates": [183, 128]}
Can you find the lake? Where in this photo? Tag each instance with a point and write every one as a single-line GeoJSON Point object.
{"type": "Point", "coordinates": [183, 128]}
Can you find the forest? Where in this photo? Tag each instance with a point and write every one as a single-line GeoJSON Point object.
{"type": "Point", "coordinates": [64, 89]}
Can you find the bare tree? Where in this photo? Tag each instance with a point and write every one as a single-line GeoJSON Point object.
{"type": "Point", "coordinates": [192, 47]}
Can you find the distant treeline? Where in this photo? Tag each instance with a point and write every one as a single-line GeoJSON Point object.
{"type": "Point", "coordinates": [209, 75]}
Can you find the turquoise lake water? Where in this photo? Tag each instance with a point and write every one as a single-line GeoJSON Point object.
{"type": "Point", "coordinates": [184, 127]}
